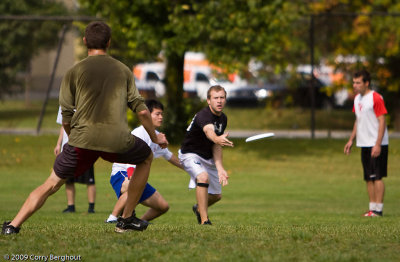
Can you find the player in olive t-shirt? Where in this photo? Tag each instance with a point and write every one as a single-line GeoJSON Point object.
{"type": "Point", "coordinates": [100, 88]}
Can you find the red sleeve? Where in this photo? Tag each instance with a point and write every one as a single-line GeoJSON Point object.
{"type": "Point", "coordinates": [354, 110]}
{"type": "Point", "coordinates": [379, 105]}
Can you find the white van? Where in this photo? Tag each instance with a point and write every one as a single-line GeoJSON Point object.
{"type": "Point", "coordinates": [197, 75]}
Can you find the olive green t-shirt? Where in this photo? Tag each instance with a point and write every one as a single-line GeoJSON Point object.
{"type": "Point", "coordinates": [94, 97]}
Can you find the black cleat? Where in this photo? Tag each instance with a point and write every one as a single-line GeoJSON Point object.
{"type": "Point", "coordinates": [208, 222]}
{"type": "Point", "coordinates": [197, 213]}
{"type": "Point", "coordinates": [378, 213]}
{"type": "Point", "coordinates": [69, 210]}
{"type": "Point", "coordinates": [8, 229]}
{"type": "Point", "coordinates": [131, 223]}
{"type": "Point", "coordinates": [91, 211]}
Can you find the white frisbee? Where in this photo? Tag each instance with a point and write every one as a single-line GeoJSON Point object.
{"type": "Point", "coordinates": [260, 136]}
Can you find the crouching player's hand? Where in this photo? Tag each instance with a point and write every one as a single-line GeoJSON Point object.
{"type": "Point", "coordinates": [162, 140]}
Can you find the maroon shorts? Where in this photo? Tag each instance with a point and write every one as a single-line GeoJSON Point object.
{"type": "Point", "coordinates": [74, 161]}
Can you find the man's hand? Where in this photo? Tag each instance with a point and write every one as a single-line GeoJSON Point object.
{"type": "Point", "coordinates": [57, 150]}
{"type": "Point", "coordinates": [347, 147]}
{"type": "Point", "coordinates": [376, 151]}
{"type": "Point", "coordinates": [162, 140]}
{"type": "Point", "coordinates": [223, 177]}
{"type": "Point", "coordinates": [222, 140]}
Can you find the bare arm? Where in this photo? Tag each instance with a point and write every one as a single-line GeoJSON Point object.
{"type": "Point", "coordinates": [347, 147]}
{"type": "Point", "coordinates": [217, 155]}
{"type": "Point", "coordinates": [57, 149]}
{"type": "Point", "coordinates": [175, 161]}
{"type": "Point", "coordinates": [145, 120]}
{"type": "Point", "coordinates": [219, 140]}
{"type": "Point", "coordinates": [376, 150]}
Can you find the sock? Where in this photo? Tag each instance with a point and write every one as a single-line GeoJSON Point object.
{"type": "Point", "coordinates": [372, 206]}
{"type": "Point", "coordinates": [91, 207]}
{"type": "Point", "coordinates": [111, 218]}
{"type": "Point", "coordinates": [378, 207]}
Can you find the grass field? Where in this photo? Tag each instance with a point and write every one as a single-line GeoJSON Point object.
{"type": "Point", "coordinates": [288, 200]}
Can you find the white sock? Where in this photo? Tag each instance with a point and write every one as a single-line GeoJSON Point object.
{"type": "Point", "coordinates": [372, 206]}
{"type": "Point", "coordinates": [379, 207]}
{"type": "Point", "coordinates": [111, 218]}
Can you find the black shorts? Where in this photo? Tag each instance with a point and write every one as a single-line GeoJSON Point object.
{"type": "Point", "coordinates": [87, 178]}
{"type": "Point", "coordinates": [374, 168]}
{"type": "Point", "coordinates": [73, 161]}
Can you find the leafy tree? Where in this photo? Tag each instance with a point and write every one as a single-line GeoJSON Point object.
{"type": "Point", "coordinates": [21, 40]}
{"type": "Point", "coordinates": [231, 33]}
{"type": "Point", "coordinates": [373, 39]}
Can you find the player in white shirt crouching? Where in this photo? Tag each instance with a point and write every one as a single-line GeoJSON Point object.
{"type": "Point", "coordinates": [122, 173]}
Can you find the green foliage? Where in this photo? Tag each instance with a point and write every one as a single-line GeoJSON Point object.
{"type": "Point", "coordinates": [21, 40]}
{"type": "Point", "coordinates": [287, 200]}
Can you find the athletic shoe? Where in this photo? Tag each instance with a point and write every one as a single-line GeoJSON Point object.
{"type": "Point", "coordinates": [69, 210]}
{"type": "Point", "coordinates": [90, 211]}
{"type": "Point", "coordinates": [110, 221]}
{"type": "Point", "coordinates": [370, 214]}
{"type": "Point", "coordinates": [8, 229]}
{"type": "Point", "coordinates": [208, 222]}
{"type": "Point", "coordinates": [197, 213]}
{"type": "Point", "coordinates": [378, 213]}
{"type": "Point", "coordinates": [131, 223]}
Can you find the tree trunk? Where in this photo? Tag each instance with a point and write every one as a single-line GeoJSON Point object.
{"type": "Point", "coordinates": [175, 120]}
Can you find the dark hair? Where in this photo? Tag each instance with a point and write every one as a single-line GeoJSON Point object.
{"type": "Point", "coordinates": [97, 35]}
{"type": "Point", "coordinates": [152, 103]}
{"type": "Point", "coordinates": [215, 88]}
{"type": "Point", "coordinates": [366, 77]}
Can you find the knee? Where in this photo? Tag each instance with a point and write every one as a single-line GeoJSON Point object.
{"type": "Point", "coordinates": [164, 207]}
{"type": "Point", "coordinates": [202, 178]}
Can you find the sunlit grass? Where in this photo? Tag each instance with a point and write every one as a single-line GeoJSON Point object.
{"type": "Point", "coordinates": [287, 200]}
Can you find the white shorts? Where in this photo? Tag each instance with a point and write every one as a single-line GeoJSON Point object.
{"type": "Point", "coordinates": [195, 165]}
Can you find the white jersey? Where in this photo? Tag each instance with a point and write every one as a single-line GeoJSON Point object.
{"type": "Point", "coordinates": [59, 121]}
{"type": "Point", "coordinates": [155, 148]}
{"type": "Point", "coordinates": [367, 109]}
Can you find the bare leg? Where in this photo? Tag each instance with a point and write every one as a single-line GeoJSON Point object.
{"type": "Point", "coordinates": [91, 193]}
{"type": "Point", "coordinates": [37, 198]}
{"type": "Point", "coordinates": [371, 191]}
{"type": "Point", "coordinates": [213, 198]}
{"type": "Point", "coordinates": [379, 188]}
{"type": "Point", "coordinates": [158, 206]}
{"type": "Point", "coordinates": [202, 197]}
{"type": "Point", "coordinates": [136, 186]}
{"type": "Point", "coordinates": [119, 206]}
{"type": "Point", "coordinates": [70, 191]}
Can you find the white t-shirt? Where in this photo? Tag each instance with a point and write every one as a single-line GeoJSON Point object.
{"type": "Point", "coordinates": [155, 148]}
{"type": "Point", "coordinates": [59, 121]}
{"type": "Point", "coordinates": [367, 109]}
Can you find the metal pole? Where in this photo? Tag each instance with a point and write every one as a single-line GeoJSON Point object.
{"type": "Point", "coordinates": [60, 44]}
{"type": "Point", "coordinates": [312, 86]}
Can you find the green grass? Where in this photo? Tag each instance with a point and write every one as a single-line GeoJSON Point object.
{"type": "Point", "coordinates": [287, 200]}
{"type": "Point", "coordinates": [16, 114]}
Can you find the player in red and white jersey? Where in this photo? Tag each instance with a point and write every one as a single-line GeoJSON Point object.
{"type": "Point", "coordinates": [372, 136]}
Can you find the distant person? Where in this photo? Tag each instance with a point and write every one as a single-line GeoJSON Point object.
{"type": "Point", "coordinates": [99, 88]}
{"type": "Point", "coordinates": [201, 153]}
{"type": "Point", "coordinates": [372, 136]}
{"type": "Point", "coordinates": [122, 173]}
{"type": "Point", "coordinates": [87, 178]}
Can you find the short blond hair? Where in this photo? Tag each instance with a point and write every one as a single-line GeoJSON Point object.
{"type": "Point", "coordinates": [215, 88]}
